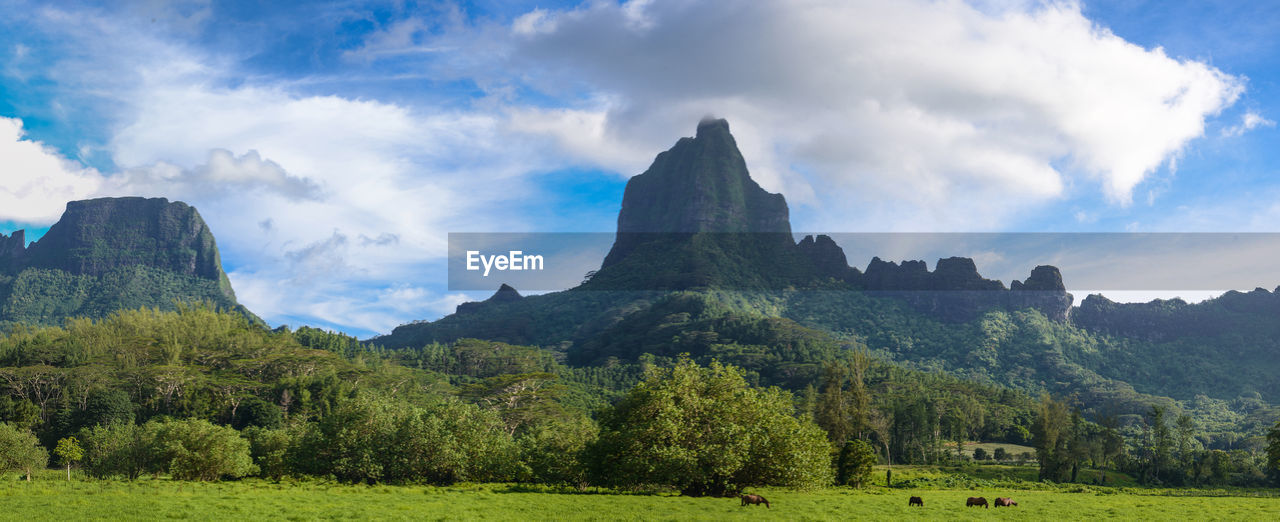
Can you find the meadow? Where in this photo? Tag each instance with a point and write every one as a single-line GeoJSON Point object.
{"type": "Point", "coordinates": [51, 496]}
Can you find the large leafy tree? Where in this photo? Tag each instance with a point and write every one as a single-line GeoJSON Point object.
{"type": "Point", "coordinates": [704, 431]}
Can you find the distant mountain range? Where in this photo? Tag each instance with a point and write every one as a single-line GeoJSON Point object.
{"type": "Point", "coordinates": [109, 254]}
{"type": "Point", "coordinates": [704, 263]}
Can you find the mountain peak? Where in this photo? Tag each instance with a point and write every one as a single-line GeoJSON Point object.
{"type": "Point", "coordinates": [106, 254]}
{"type": "Point", "coordinates": [95, 236]}
{"type": "Point", "coordinates": [700, 185]}
{"type": "Point", "coordinates": [710, 124]}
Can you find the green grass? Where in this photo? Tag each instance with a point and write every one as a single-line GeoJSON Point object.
{"type": "Point", "coordinates": [971, 475]}
{"type": "Point", "coordinates": [50, 496]}
{"type": "Point", "coordinates": [1013, 449]}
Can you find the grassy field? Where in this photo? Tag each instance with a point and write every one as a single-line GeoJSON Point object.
{"type": "Point", "coordinates": [1013, 449]}
{"type": "Point", "coordinates": [151, 499]}
{"type": "Point", "coordinates": [972, 475]}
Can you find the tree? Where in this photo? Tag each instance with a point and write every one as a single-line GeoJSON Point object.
{"type": "Point", "coordinates": [1273, 451]}
{"type": "Point", "coordinates": [980, 454]}
{"type": "Point", "coordinates": [844, 407]}
{"type": "Point", "coordinates": [856, 462]}
{"type": "Point", "coordinates": [1000, 454]}
{"type": "Point", "coordinates": [1050, 435]}
{"type": "Point", "coordinates": [1161, 444]}
{"type": "Point", "coordinates": [704, 431]}
{"type": "Point", "coordinates": [21, 451]}
{"type": "Point", "coordinates": [1112, 447]}
{"type": "Point", "coordinates": [105, 407]}
{"type": "Point", "coordinates": [1184, 432]}
{"type": "Point", "coordinates": [69, 451]}
{"type": "Point", "coordinates": [257, 412]}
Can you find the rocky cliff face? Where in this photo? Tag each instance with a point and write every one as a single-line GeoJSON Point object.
{"type": "Point", "coordinates": [955, 290]}
{"type": "Point", "coordinates": [13, 250]}
{"type": "Point", "coordinates": [695, 218]}
{"type": "Point", "coordinates": [701, 185]}
{"type": "Point", "coordinates": [98, 235]}
{"type": "Point", "coordinates": [110, 253]}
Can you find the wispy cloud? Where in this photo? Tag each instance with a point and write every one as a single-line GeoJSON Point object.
{"type": "Point", "coordinates": [1249, 121]}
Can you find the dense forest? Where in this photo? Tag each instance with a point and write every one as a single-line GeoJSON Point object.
{"type": "Point", "coordinates": [203, 394]}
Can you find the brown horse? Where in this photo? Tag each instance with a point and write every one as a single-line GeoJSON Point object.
{"type": "Point", "coordinates": [976, 501]}
{"type": "Point", "coordinates": [915, 501]}
{"type": "Point", "coordinates": [1005, 502]}
{"type": "Point", "coordinates": [754, 500]}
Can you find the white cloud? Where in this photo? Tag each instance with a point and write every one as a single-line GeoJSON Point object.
{"type": "Point", "coordinates": [222, 174]}
{"type": "Point", "coordinates": [907, 115]}
{"type": "Point", "coordinates": [35, 181]}
{"type": "Point", "coordinates": [1249, 121]}
{"type": "Point", "coordinates": [936, 110]}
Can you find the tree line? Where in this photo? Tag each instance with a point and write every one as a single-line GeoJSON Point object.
{"type": "Point", "coordinates": [201, 394]}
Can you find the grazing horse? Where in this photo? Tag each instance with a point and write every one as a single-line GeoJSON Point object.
{"type": "Point", "coordinates": [754, 500]}
{"type": "Point", "coordinates": [976, 501]}
{"type": "Point", "coordinates": [916, 501]}
{"type": "Point", "coordinates": [1005, 502]}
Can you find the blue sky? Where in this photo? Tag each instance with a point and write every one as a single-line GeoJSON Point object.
{"type": "Point", "coordinates": [332, 146]}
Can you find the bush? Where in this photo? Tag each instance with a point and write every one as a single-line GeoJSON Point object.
{"type": "Point", "coordinates": [704, 431]}
{"type": "Point", "coordinates": [980, 454]}
{"type": "Point", "coordinates": [374, 439]}
{"type": "Point", "coordinates": [190, 449]}
{"type": "Point", "coordinates": [119, 449]}
{"type": "Point", "coordinates": [552, 451]}
{"type": "Point", "coordinates": [20, 450]}
{"type": "Point", "coordinates": [196, 449]}
{"type": "Point", "coordinates": [271, 450]}
{"type": "Point", "coordinates": [1001, 454]}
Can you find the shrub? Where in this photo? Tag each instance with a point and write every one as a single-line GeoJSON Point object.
{"type": "Point", "coordinates": [704, 431]}
{"type": "Point", "coordinates": [271, 450]}
{"type": "Point", "coordinates": [196, 449]}
{"type": "Point", "coordinates": [119, 449]}
{"type": "Point", "coordinates": [20, 450]}
{"type": "Point", "coordinates": [552, 451]}
{"type": "Point", "coordinates": [373, 439]}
